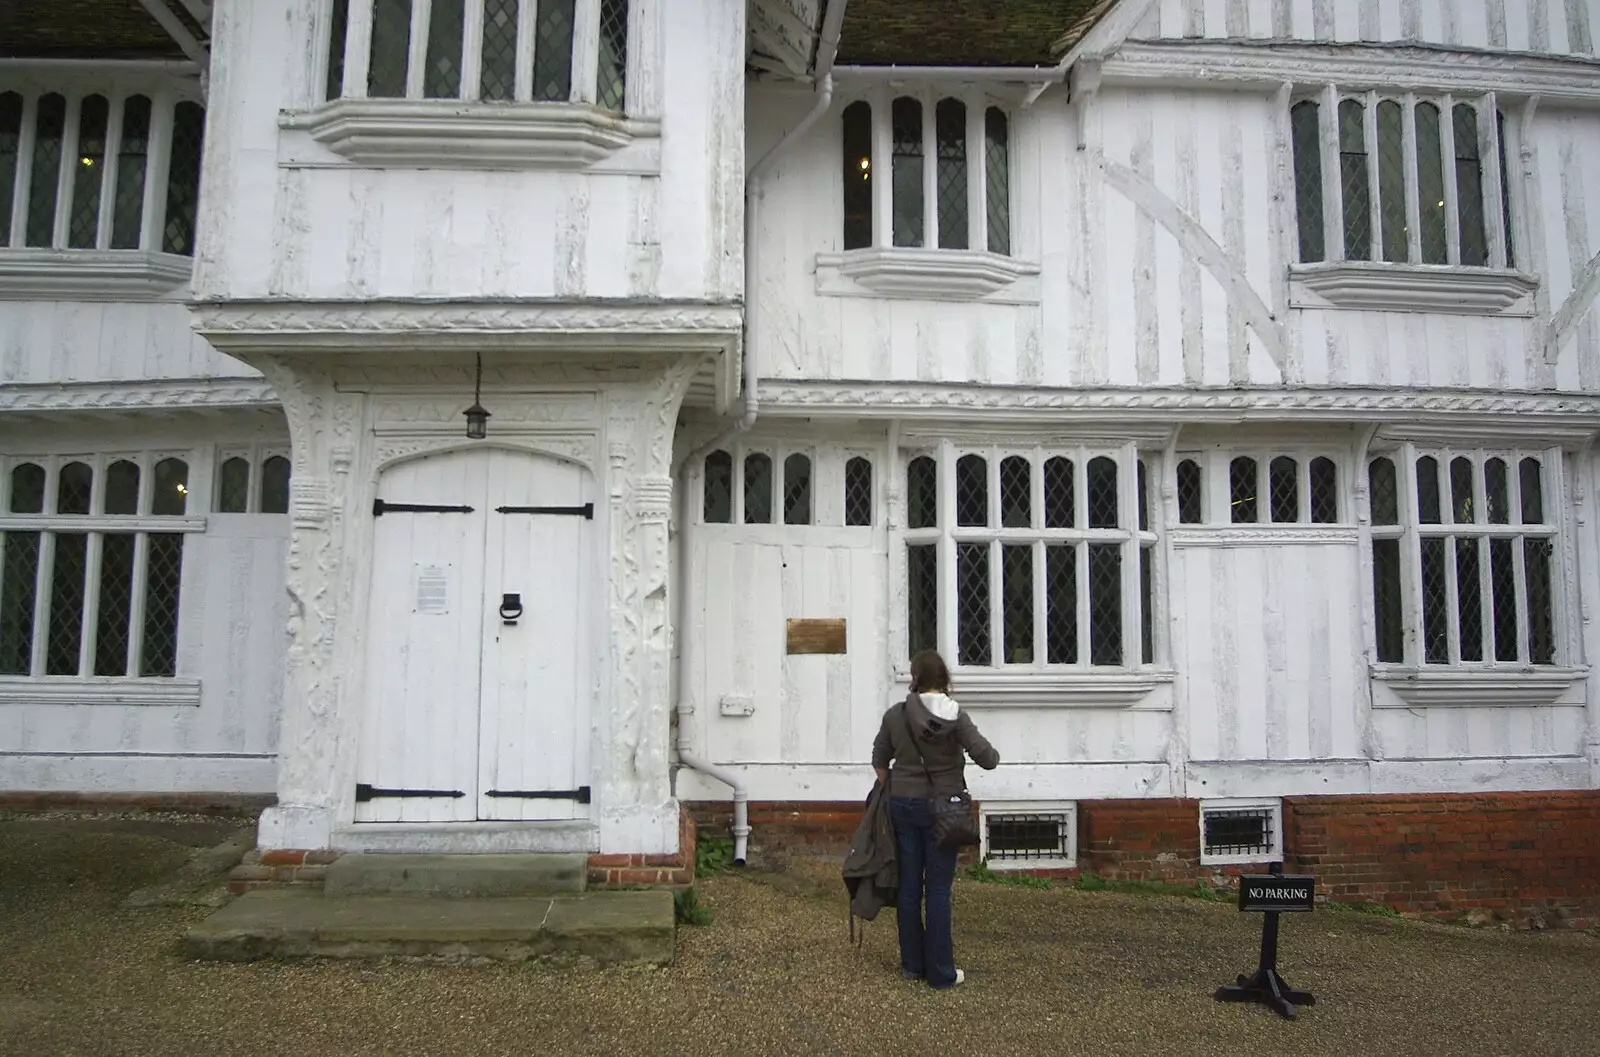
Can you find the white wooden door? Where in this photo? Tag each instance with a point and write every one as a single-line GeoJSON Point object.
{"type": "Point", "coordinates": [472, 714]}
{"type": "Point", "coordinates": [536, 672]}
{"type": "Point", "coordinates": [418, 756]}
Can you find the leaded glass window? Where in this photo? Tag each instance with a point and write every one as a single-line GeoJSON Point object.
{"type": "Point", "coordinates": [441, 74]}
{"type": "Point", "coordinates": [1430, 185]}
{"type": "Point", "coordinates": [858, 491]}
{"type": "Point", "coordinates": [612, 88]}
{"type": "Point", "coordinates": [50, 126]}
{"type": "Point", "coordinates": [758, 489]}
{"type": "Point", "coordinates": [717, 506]}
{"type": "Point", "coordinates": [1392, 181]}
{"type": "Point", "coordinates": [857, 141]}
{"type": "Point", "coordinates": [183, 179]}
{"type": "Point", "coordinates": [1034, 582]}
{"type": "Point", "coordinates": [1484, 590]}
{"type": "Point", "coordinates": [1353, 181]}
{"type": "Point", "coordinates": [797, 490]}
{"type": "Point", "coordinates": [67, 588]}
{"type": "Point", "coordinates": [88, 172]}
{"type": "Point", "coordinates": [552, 51]}
{"type": "Point", "coordinates": [997, 183]}
{"type": "Point", "coordinates": [1191, 492]}
{"type": "Point", "coordinates": [1306, 130]}
{"type": "Point", "coordinates": [906, 128]}
{"type": "Point", "coordinates": [1242, 489]}
{"type": "Point", "coordinates": [10, 150]}
{"type": "Point", "coordinates": [133, 153]}
{"type": "Point", "coordinates": [497, 66]}
{"type": "Point", "coordinates": [391, 47]}
{"type": "Point", "coordinates": [950, 130]}
{"type": "Point", "coordinates": [1469, 188]}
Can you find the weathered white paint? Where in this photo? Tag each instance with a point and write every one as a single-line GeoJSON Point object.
{"type": "Point", "coordinates": [65, 342]}
{"type": "Point", "coordinates": [1557, 27]}
{"type": "Point", "coordinates": [231, 612]}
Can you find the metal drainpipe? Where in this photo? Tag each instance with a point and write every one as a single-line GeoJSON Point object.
{"type": "Point", "coordinates": [827, 48]}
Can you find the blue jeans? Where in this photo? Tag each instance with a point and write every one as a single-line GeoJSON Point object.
{"type": "Point", "coordinates": [925, 948]}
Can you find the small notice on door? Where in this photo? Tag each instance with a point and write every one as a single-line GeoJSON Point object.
{"type": "Point", "coordinates": [433, 588]}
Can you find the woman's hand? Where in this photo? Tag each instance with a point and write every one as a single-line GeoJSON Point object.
{"type": "Point", "coordinates": [883, 776]}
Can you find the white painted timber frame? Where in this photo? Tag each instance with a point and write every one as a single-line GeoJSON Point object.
{"type": "Point", "coordinates": [930, 272]}
{"type": "Point", "coordinates": [466, 133]}
{"type": "Point", "coordinates": [59, 272]}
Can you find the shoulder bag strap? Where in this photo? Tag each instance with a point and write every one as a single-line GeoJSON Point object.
{"type": "Point", "coordinates": [912, 738]}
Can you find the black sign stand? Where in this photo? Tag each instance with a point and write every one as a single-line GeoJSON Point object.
{"type": "Point", "coordinates": [1266, 986]}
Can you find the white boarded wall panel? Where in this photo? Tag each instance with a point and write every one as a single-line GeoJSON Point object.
{"type": "Point", "coordinates": [1269, 644]}
{"type": "Point", "coordinates": [71, 341]}
{"type": "Point", "coordinates": [1444, 733]}
{"type": "Point", "coordinates": [1558, 27]}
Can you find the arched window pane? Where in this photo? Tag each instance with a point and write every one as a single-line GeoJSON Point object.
{"type": "Point", "coordinates": [122, 487]}
{"type": "Point", "coordinates": [1532, 492]}
{"type": "Point", "coordinates": [441, 73]}
{"type": "Point", "coordinates": [1392, 180]}
{"type": "Point", "coordinates": [1016, 492]}
{"type": "Point", "coordinates": [497, 70]}
{"type": "Point", "coordinates": [1242, 489]}
{"type": "Point", "coordinates": [997, 178]}
{"type": "Point", "coordinates": [972, 491]}
{"type": "Point", "coordinates": [1103, 500]}
{"type": "Point", "coordinates": [1060, 498]}
{"type": "Point", "coordinates": [950, 130]}
{"type": "Point", "coordinates": [718, 498]}
{"type": "Point", "coordinates": [613, 81]}
{"type": "Point", "coordinates": [183, 178]}
{"type": "Point", "coordinates": [338, 26]}
{"type": "Point", "coordinates": [233, 486]}
{"type": "Point", "coordinates": [1462, 509]}
{"type": "Point", "coordinates": [1305, 131]}
{"type": "Point", "coordinates": [552, 51]}
{"type": "Point", "coordinates": [1324, 491]}
{"type": "Point", "coordinates": [1430, 184]}
{"type": "Point", "coordinates": [1495, 492]}
{"type": "Point", "coordinates": [1385, 492]}
{"type": "Point", "coordinates": [1428, 490]}
{"type": "Point", "coordinates": [50, 127]}
{"type": "Point", "coordinates": [906, 129]}
{"type": "Point", "coordinates": [74, 488]}
{"type": "Point", "coordinates": [857, 138]}
{"type": "Point", "coordinates": [275, 485]}
{"type": "Point", "coordinates": [858, 492]}
{"type": "Point", "coordinates": [171, 494]}
{"type": "Point", "coordinates": [1191, 492]}
{"type": "Point", "coordinates": [88, 169]}
{"type": "Point", "coordinates": [1469, 188]}
{"type": "Point", "coordinates": [133, 149]}
{"type": "Point", "coordinates": [922, 493]}
{"type": "Point", "coordinates": [797, 490]}
{"type": "Point", "coordinates": [1353, 181]}
{"type": "Point", "coordinates": [757, 489]}
{"type": "Point", "coordinates": [27, 488]}
{"type": "Point", "coordinates": [1283, 475]}
{"type": "Point", "coordinates": [10, 146]}
{"type": "Point", "coordinates": [391, 47]}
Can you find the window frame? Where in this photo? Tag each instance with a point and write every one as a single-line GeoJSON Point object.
{"type": "Point", "coordinates": [946, 535]}
{"type": "Point", "coordinates": [86, 687]}
{"type": "Point", "coordinates": [1272, 806]}
{"type": "Point", "coordinates": [256, 456]}
{"type": "Point", "coordinates": [1068, 808]}
{"type": "Point", "coordinates": [1410, 532]}
{"type": "Point", "coordinates": [1216, 474]}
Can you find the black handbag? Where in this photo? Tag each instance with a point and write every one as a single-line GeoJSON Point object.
{"type": "Point", "coordinates": [953, 824]}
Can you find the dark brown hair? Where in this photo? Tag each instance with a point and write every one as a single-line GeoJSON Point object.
{"type": "Point", "coordinates": [928, 673]}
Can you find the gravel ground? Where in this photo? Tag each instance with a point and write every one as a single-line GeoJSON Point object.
{"type": "Point", "coordinates": [1049, 972]}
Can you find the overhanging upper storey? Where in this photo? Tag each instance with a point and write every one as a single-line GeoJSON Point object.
{"type": "Point", "coordinates": [485, 84]}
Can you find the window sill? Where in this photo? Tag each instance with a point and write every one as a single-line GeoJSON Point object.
{"type": "Point", "coordinates": [1482, 688]}
{"type": "Point", "coordinates": [1056, 689]}
{"type": "Point", "coordinates": [91, 275]}
{"type": "Point", "coordinates": [450, 134]}
{"type": "Point", "coordinates": [928, 275]}
{"type": "Point", "coordinates": [70, 690]}
{"type": "Point", "coordinates": [1384, 287]}
{"type": "Point", "coordinates": [1284, 534]}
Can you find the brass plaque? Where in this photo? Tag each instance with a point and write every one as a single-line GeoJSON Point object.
{"type": "Point", "coordinates": [816, 636]}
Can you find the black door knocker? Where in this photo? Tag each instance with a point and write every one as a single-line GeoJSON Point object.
{"type": "Point", "coordinates": [510, 608]}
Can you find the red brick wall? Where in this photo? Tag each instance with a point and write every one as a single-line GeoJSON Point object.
{"type": "Point", "coordinates": [1526, 857]}
{"type": "Point", "coordinates": [630, 871]}
{"type": "Point", "coordinates": [1514, 854]}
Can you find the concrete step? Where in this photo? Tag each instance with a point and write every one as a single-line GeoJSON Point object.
{"type": "Point", "coordinates": [456, 876]}
{"type": "Point", "coordinates": [608, 928]}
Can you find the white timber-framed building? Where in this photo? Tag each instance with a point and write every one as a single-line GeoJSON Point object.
{"type": "Point", "coordinates": [1214, 382]}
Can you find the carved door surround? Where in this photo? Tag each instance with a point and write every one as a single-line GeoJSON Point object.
{"type": "Point", "coordinates": [611, 409]}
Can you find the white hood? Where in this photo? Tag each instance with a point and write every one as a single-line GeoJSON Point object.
{"type": "Point", "coordinates": [942, 706]}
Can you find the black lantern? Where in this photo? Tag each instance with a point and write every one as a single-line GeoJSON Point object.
{"type": "Point", "coordinates": [477, 417]}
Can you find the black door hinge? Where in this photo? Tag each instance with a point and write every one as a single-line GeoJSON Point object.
{"type": "Point", "coordinates": [581, 794]}
{"type": "Point", "coordinates": [584, 511]}
{"type": "Point", "coordinates": [365, 792]}
{"type": "Point", "coordinates": [380, 508]}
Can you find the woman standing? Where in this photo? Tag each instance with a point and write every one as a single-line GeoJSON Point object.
{"type": "Point", "coordinates": [926, 737]}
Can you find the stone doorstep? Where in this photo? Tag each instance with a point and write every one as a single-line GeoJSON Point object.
{"type": "Point", "coordinates": [608, 928]}
{"type": "Point", "coordinates": [456, 876]}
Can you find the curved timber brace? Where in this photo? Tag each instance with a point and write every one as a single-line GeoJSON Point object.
{"type": "Point", "coordinates": [184, 37]}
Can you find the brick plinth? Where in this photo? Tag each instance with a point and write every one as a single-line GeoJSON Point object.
{"type": "Point", "coordinates": [1526, 858]}
{"type": "Point", "coordinates": [634, 871]}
